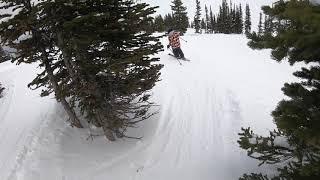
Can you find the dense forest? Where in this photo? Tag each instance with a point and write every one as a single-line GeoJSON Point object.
{"type": "Point", "coordinates": [229, 20]}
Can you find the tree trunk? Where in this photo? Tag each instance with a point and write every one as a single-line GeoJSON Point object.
{"type": "Point", "coordinates": [71, 69]}
{"type": "Point", "coordinates": [72, 115]}
{"type": "Point", "coordinates": [66, 58]}
{"type": "Point", "coordinates": [108, 133]}
{"type": "Point", "coordinates": [97, 93]}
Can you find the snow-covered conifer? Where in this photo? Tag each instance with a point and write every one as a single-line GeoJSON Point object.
{"type": "Point", "coordinates": [211, 21]}
{"type": "Point", "coordinates": [207, 19]}
{"type": "Point", "coordinates": [247, 23]}
{"type": "Point", "coordinates": [260, 28]}
{"type": "Point", "coordinates": [197, 17]}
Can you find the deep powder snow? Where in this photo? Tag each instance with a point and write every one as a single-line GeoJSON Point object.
{"type": "Point", "coordinates": [202, 106]}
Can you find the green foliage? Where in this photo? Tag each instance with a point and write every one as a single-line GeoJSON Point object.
{"type": "Point", "coordinates": [95, 53]}
{"type": "Point", "coordinates": [203, 24]}
{"type": "Point", "coordinates": [254, 176]}
{"type": "Point", "coordinates": [159, 24]}
{"type": "Point", "coordinates": [295, 38]}
{"type": "Point", "coordinates": [168, 21]}
{"type": "Point", "coordinates": [229, 20]}
{"type": "Point", "coordinates": [179, 16]}
{"type": "Point", "coordinates": [3, 55]}
{"type": "Point", "coordinates": [212, 22]}
{"type": "Point", "coordinates": [197, 17]}
{"type": "Point", "coordinates": [247, 22]}
{"type": "Point", "coordinates": [265, 149]}
{"type": "Point", "coordinates": [207, 20]}
{"type": "Point", "coordinates": [301, 159]}
{"type": "Point", "coordinates": [238, 20]}
{"type": "Point", "coordinates": [260, 24]}
{"type": "Point", "coordinates": [268, 24]}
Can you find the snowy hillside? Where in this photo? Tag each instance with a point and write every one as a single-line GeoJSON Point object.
{"type": "Point", "coordinates": [203, 105]}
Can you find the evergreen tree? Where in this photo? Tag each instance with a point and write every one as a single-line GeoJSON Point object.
{"type": "Point", "coordinates": [197, 17]}
{"type": "Point", "coordinates": [225, 20]}
{"type": "Point", "coordinates": [234, 22]}
{"type": "Point", "coordinates": [247, 20]}
{"type": "Point", "coordinates": [180, 17]}
{"type": "Point", "coordinates": [212, 21]}
{"type": "Point", "coordinates": [229, 19]}
{"type": "Point", "coordinates": [105, 71]}
{"type": "Point", "coordinates": [148, 26]}
{"type": "Point", "coordinates": [93, 53]}
{"type": "Point", "coordinates": [203, 24]}
{"type": "Point", "coordinates": [168, 21]}
{"type": "Point", "coordinates": [295, 38]}
{"type": "Point", "coordinates": [239, 20]}
{"type": "Point", "coordinates": [260, 30]}
{"type": "Point", "coordinates": [207, 20]}
{"type": "Point", "coordinates": [159, 24]}
{"type": "Point", "coordinates": [265, 24]}
{"type": "Point", "coordinates": [35, 47]}
{"type": "Point", "coordinates": [215, 24]}
{"type": "Point", "coordinates": [268, 24]}
{"type": "Point", "coordinates": [219, 21]}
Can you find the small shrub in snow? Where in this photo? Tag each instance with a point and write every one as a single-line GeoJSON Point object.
{"type": "Point", "coordinates": [1, 90]}
{"type": "Point", "coordinates": [3, 55]}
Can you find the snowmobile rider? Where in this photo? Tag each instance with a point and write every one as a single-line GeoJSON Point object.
{"type": "Point", "coordinates": [174, 42]}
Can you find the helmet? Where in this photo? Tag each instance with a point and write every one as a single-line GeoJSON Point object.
{"type": "Point", "coordinates": [169, 30]}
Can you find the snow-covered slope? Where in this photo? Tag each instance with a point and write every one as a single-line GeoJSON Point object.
{"type": "Point", "coordinates": [203, 105]}
{"type": "Point", "coordinates": [21, 113]}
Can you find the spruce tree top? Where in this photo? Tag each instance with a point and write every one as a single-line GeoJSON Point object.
{"type": "Point", "coordinates": [179, 15]}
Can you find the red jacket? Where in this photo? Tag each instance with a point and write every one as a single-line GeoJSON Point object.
{"type": "Point", "coordinates": [174, 39]}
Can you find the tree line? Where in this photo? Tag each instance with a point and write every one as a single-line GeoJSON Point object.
{"type": "Point", "coordinates": [177, 19]}
{"type": "Point", "coordinates": [229, 20]}
{"type": "Point", "coordinates": [266, 24]}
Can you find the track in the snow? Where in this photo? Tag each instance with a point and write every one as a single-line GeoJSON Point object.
{"type": "Point", "coordinates": [203, 105]}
